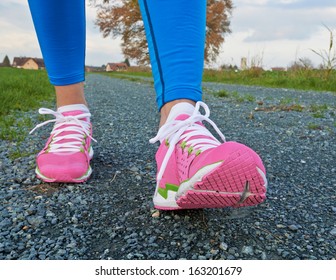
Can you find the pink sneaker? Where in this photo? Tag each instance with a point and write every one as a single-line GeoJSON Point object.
{"type": "Point", "coordinates": [67, 153]}
{"type": "Point", "coordinates": [195, 170]}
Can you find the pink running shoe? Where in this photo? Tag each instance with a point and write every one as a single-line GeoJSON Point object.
{"type": "Point", "coordinates": [67, 153]}
{"type": "Point", "coordinates": [195, 170]}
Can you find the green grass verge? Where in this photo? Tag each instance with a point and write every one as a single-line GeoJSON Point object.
{"type": "Point", "coordinates": [316, 80]}
{"type": "Point", "coordinates": [309, 79]}
{"type": "Point", "coordinates": [21, 90]}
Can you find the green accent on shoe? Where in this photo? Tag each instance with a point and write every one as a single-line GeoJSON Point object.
{"type": "Point", "coordinates": [183, 144]}
{"type": "Point", "coordinates": [198, 152]}
{"type": "Point", "coordinates": [166, 142]}
{"type": "Point", "coordinates": [86, 174]}
{"type": "Point", "coordinates": [190, 150]}
{"type": "Point", "coordinates": [169, 187]}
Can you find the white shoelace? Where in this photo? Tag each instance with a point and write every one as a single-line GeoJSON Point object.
{"type": "Point", "coordinates": [75, 124]}
{"type": "Point", "coordinates": [175, 131]}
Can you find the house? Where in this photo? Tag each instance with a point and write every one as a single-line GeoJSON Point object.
{"type": "Point", "coordinates": [275, 69]}
{"type": "Point", "coordinates": [28, 63]}
{"type": "Point", "coordinates": [116, 67]}
{"type": "Point", "coordinates": [94, 68]}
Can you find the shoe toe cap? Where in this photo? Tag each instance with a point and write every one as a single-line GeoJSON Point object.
{"type": "Point", "coordinates": [61, 168]}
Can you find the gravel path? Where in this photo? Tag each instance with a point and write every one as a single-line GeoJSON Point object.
{"type": "Point", "coordinates": [112, 215]}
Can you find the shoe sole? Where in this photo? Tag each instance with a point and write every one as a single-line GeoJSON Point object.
{"type": "Point", "coordinates": [64, 178]}
{"type": "Point", "coordinates": [237, 182]}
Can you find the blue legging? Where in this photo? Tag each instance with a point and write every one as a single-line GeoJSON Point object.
{"type": "Point", "coordinates": [175, 31]}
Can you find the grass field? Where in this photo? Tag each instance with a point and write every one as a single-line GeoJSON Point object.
{"type": "Point", "coordinates": [304, 79]}
{"type": "Point", "coordinates": [21, 90]}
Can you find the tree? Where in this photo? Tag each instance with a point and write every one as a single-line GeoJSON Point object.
{"type": "Point", "coordinates": [303, 63]}
{"type": "Point", "coordinates": [6, 62]}
{"type": "Point", "coordinates": [123, 18]}
{"type": "Point", "coordinates": [127, 62]}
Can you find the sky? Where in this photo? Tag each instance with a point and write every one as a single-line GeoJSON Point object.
{"type": "Point", "coordinates": [273, 32]}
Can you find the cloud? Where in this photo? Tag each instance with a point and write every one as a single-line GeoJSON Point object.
{"type": "Point", "coordinates": [100, 50]}
{"type": "Point", "coordinates": [302, 4]}
{"type": "Point", "coordinates": [16, 30]}
{"type": "Point", "coordinates": [18, 36]}
{"type": "Point", "coordinates": [271, 24]}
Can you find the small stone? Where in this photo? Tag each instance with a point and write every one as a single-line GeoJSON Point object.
{"type": "Point", "coordinates": [31, 210]}
{"type": "Point", "coordinates": [134, 169]}
{"type": "Point", "coordinates": [70, 188]}
{"type": "Point", "coordinates": [280, 226]}
{"type": "Point", "coordinates": [247, 250]}
{"type": "Point", "coordinates": [156, 214]}
{"type": "Point", "coordinates": [50, 213]}
{"type": "Point", "coordinates": [61, 252]}
{"type": "Point", "coordinates": [223, 246]}
{"type": "Point", "coordinates": [35, 220]}
{"type": "Point", "coordinates": [293, 227]}
{"type": "Point", "coordinates": [74, 220]}
{"type": "Point", "coordinates": [285, 254]}
{"type": "Point", "coordinates": [25, 227]}
{"type": "Point", "coordinates": [213, 252]}
{"type": "Point", "coordinates": [5, 223]}
{"type": "Point", "coordinates": [333, 208]}
{"type": "Point", "coordinates": [333, 232]}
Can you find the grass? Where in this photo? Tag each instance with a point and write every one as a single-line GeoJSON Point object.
{"type": "Point", "coordinates": [23, 90]}
{"type": "Point", "coordinates": [301, 79]}
{"type": "Point", "coordinates": [304, 79]}
{"type": "Point", "coordinates": [235, 95]}
{"type": "Point", "coordinates": [318, 111]}
{"type": "Point", "coordinates": [314, 126]}
{"type": "Point", "coordinates": [20, 90]}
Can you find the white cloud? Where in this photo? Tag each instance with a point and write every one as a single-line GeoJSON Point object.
{"type": "Point", "coordinates": [100, 50]}
{"type": "Point", "coordinates": [280, 34]}
{"type": "Point", "coordinates": [18, 36]}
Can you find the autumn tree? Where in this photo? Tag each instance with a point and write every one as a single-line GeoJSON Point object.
{"type": "Point", "coordinates": [123, 19]}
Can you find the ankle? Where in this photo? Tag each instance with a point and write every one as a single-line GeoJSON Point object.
{"type": "Point", "coordinates": [70, 94]}
{"type": "Point", "coordinates": [166, 109]}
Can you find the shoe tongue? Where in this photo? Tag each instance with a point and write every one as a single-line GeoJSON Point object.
{"type": "Point", "coordinates": [182, 117]}
{"type": "Point", "coordinates": [72, 113]}
{"type": "Point", "coordinates": [69, 110]}
{"type": "Point", "coordinates": [181, 110]}
{"type": "Point", "coordinates": [73, 110]}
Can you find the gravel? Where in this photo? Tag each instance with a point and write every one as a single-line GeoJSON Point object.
{"type": "Point", "coordinates": [112, 216]}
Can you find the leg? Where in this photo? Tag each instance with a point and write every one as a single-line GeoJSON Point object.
{"type": "Point", "coordinates": [176, 36]}
{"type": "Point", "coordinates": [195, 170]}
{"type": "Point", "coordinates": [60, 28]}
